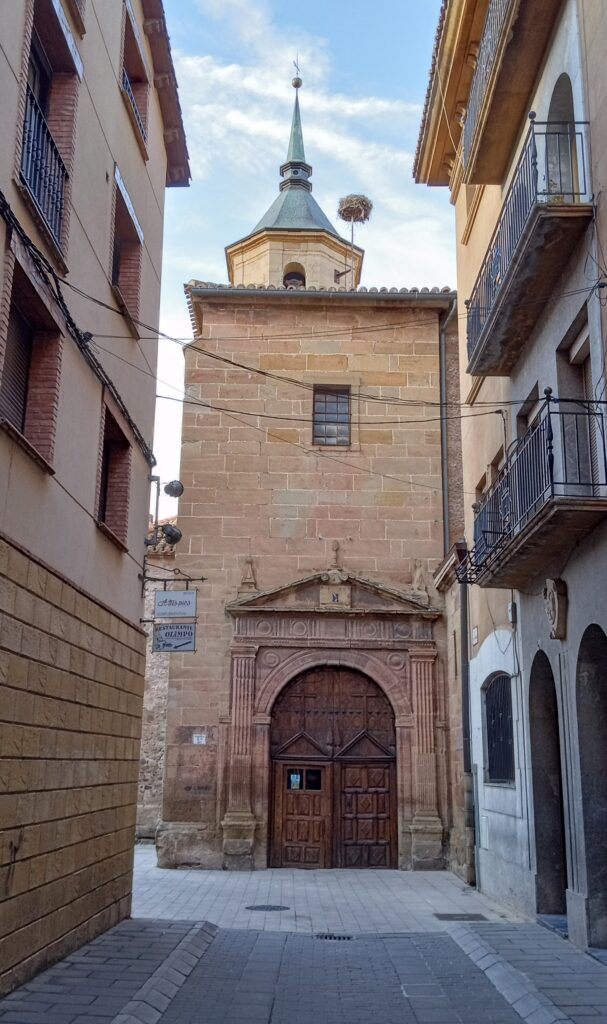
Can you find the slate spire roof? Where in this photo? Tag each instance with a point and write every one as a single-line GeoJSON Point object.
{"type": "Point", "coordinates": [295, 209]}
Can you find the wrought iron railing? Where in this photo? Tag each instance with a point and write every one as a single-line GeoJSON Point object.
{"type": "Point", "coordinates": [563, 454]}
{"type": "Point", "coordinates": [42, 168]}
{"type": "Point", "coordinates": [128, 89]}
{"type": "Point", "coordinates": [552, 169]}
{"type": "Point", "coordinates": [492, 32]}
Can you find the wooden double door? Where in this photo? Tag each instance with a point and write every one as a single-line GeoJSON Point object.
{"type": "Point", "coordinates": [333, 773]}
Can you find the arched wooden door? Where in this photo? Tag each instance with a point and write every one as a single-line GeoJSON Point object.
{"type": "Point", "coordinates": [333, 746]}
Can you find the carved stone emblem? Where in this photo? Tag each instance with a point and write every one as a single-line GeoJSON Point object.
{"type": "Point", "coordinates": [555, 603]}
{"type": "Point", "coordinates": [337, 595]}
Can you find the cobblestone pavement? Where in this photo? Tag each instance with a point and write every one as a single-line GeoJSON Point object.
{"type": "Point", "coordinates": [92, 985]}
{"type": "Point", "coordinates": [352, 947]}
{"type": "Point", "coordinates": [538, 972]}
{"type": "Point", "coordinates": [250, 977]}
{"type": "Point", "coordinates": [315, 901]}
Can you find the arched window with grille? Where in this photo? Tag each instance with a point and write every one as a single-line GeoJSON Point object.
{"type": "Point", "coordinates": [499, 732]}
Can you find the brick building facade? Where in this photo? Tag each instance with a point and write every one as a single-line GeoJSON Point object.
{"type": "Point", "coordinates": [312, 726]}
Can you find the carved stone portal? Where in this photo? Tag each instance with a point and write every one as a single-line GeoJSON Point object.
{"type": "Point", "coordinates": [379, 631]}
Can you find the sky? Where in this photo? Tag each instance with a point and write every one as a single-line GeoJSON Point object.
{"type": "Point", "coordinates": [365, 71]}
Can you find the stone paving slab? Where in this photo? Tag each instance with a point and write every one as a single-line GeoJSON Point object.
{"type": "Point", "coordinates": [542, 975]}
{"type": "Point", "coordinates": [250, 977]}
{"type": "Point", "coordinates": [371, 902]}
{"type": "Point", "coordinates": [122, 976]}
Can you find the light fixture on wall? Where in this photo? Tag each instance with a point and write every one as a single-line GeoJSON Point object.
{"type": "Point", "coordinates": [172, 535]}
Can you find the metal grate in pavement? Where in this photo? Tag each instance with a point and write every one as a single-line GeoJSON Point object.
{"type": "Point", "coordinates": [333, 938]}
{"type": "Point", "coordinates": [460, 917]}
{"type": "Point", "coordinates": [267, 907]}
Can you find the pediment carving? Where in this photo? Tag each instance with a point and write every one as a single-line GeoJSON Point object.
{"type": "Point", "coordinates": [364, 746]}
{"type": "Point", "coordinates": [334, 592]}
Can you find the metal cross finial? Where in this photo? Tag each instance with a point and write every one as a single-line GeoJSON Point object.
{"type": "Point", "coordinates": [296, 64]}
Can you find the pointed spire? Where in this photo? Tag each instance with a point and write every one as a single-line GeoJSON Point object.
{"type": "Point", "coordinates": [296, 144]}
{"type": "Point", "coordinates": [295, 172]}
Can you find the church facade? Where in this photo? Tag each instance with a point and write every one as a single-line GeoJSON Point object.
{"type": "Point", "coordinates": [317, 724]}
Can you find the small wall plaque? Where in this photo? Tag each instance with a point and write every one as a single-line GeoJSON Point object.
{"type": "Point", "coordinates": [337, 595]}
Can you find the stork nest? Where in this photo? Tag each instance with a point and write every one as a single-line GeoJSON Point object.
{"type": "Point", "coordinates": [355, 208]}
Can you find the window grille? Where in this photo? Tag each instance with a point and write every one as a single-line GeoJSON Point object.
{"type": "Point", "coordinates": [331, 416]}
{"type": "Point", "coordinates": [499, 729]}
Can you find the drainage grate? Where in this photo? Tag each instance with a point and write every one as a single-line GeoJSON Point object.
{"type": "Point", "coordinates": [267, 906]}
{"type": "Point", "coordinates": [333, 938]}
{"type": "Point", "coordinates": [461, 917]}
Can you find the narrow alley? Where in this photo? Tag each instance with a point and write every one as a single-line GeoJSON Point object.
{"type": "Point", "coordinates": [318, 947]}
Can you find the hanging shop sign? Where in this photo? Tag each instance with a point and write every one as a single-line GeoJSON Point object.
{"type": "Point", "coordinates": [174, 636]}
{"type": "Point", "coordinates": [175, 604]}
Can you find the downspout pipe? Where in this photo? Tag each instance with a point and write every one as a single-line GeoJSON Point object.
{"type": "Point", "coordinates": [444, 321]}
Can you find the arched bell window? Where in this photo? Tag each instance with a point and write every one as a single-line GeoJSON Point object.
{"type": "Point", "coordinates": [294, 276]}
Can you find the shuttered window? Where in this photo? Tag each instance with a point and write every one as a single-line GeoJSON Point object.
{"type": "Point", "coordinates": [15, 370]}
{"type": "Point", "coordinates": [500, 734]}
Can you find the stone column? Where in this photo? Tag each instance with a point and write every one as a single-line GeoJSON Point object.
{"type": "Point", "coordinates": [427, 829]}
{"type": "Point", "coordinates": [239, 822]}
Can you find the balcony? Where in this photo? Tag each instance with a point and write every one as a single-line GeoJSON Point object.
{"type": "Point", "coordinates": [545, 212]}
{"type": "Point", "coordinates": [43, 172]}
{"type": "Point", "coordinates": [551, 491]}
{"type": "Point", "coordinates": [511, 49]}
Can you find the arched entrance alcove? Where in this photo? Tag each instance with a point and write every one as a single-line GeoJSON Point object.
{"type": "Point", "coordinates": [333, 768]}
{"type": "Point", "coordinates": [591, 699]}
{"type": "Point", "coordinates": [550, 850]}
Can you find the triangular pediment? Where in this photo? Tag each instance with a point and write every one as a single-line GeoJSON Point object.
{"type": "Point", "coordinates": [364, 746]}
{"type": "Point", "coordinates": [335, 591]}
{"type": "Point", "coordinates": [301, 745]}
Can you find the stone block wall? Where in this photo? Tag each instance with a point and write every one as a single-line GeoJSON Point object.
{"type": "Point", "coordinates": [71, 687]}
{"type": "Point", "coordinates": [153, 731]}
{"type": "Point", "coordinates": [258, 488]}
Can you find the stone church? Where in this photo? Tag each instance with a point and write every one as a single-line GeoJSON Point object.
{"type": "Point", "coordinates": [315, 725]}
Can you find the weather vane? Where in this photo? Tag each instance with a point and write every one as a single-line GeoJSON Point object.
{"type": "Point", "coordinates": [296, 83]}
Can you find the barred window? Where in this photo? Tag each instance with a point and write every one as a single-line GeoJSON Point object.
{"type": "Point", "coordinates": [499, 729]}
{"type": "Point", "coordinates": [331, 415]}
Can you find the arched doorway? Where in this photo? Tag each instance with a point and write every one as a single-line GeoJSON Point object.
{"type": "Point", "coordinates": [333, 757]}
{"type": "Point", "coordinates": [550, 851]}
{"type": "Point", "coordinates": [591, 698]}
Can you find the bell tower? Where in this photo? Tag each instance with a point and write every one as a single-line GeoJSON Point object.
{"type": "Point", "coordinates": [294, 245]}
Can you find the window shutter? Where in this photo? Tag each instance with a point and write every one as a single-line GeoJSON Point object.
{"type": "Point", "coordinates": [15, 371]}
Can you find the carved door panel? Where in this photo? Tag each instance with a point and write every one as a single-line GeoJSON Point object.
{"type": "Point", "coordinates": [333, 745]}
{"type": "Point", "coordinates": [302, 816]}
{"type": "Point", "coordinates": [364, 801]}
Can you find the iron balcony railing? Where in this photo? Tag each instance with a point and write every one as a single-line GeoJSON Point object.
{"type": "Point", "coordinates": [42, 169]}
{"type": "Point", "coordinates": [551, 170]}
{"type": "Point", "coordinates": [492, 32]}
{"type": "Point", "coordinates": [128, 89]}
{"type": "Point", "coordinates": [563, 454]}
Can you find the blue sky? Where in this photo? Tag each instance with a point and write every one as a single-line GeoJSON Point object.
{"type": "Point", "coordinates": [365, 70]}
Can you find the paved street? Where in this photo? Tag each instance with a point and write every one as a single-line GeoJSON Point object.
{"type": "Point", "coordinates": [349, 948]}
{"type": "Point", "coordinates": [314, 901]}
